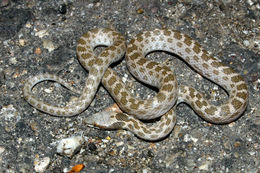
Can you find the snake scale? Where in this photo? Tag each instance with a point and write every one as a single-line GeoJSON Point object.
{"type": "Point", "coordinates": [169, 94]}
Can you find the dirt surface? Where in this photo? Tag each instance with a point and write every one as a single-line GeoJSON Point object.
{"type": "Point", "coordinates": [40, 37]}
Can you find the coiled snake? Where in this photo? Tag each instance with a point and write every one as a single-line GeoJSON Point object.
{"type": "Point", "coordinates": [150, 72]}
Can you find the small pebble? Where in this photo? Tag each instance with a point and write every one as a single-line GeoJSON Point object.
{"type": "Point", "coordinates": [48, 44]}
{"type": "Point", "coordinates": [205, 166]}
{"type": "Point", "coordinates": [118, 144]}
{"type": "Point", "coordinates": [140, 11]}
{"type": "Point", "coordinates": [250, 2]}
{"type": "Point", "coordinates": [21, 42]}
{"type": "Point", "coordinates": [92, 146]}
{"type": "Point", "coordinates": [145, 171]}
{"type": "Point", "coordinates": [246, 43]}
{"type": "Point", "coordinates": [41, 33]}
{"type": "Point", "coordinates": [237, 144]}
{"type": "Point", "coordinates": [113, 153]}
{"type": "Point", "coordinates": [28, 25]}
{"type": "Point", "coordinates": [108, 138]}
{"type": "Point", "coordinates": [47, 90]}
{"type": "Point", "coordinates": [2, 149]}
{"type": "Point", "coordinates": [38, 51]}
{"type": "Point", "coordinates": [13, 60]}
{"type": "Point", "coordinates": [188, 138]}
{"type": "Point", "coordinates": [40, 165]}
{"type": "Point", "coordinates": [124, 78]}
{"type": "Point", "coordinates": [62, 9]}
{"type": "Point", "coordinates": [69, 146]}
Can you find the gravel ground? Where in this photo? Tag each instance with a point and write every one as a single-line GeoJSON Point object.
{"type": "Point", "coordinates": [40, 37]}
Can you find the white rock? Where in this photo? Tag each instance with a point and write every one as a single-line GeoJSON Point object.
{"type": "Point", "coordinates": [188, 138]}
{"type": "Point", "coordinates": [48, 90]}
{"type": "Point", "coordinates": [13, 60]}
{"type": "Point", "coordinates": [2, 149]}
{"type": "Point", "coordinates": [22, 42]}
{"type": "Point", "coordinates": [205, 166]}
{"type": "Point", "coordinates": [124, 78]}
{"type": "Point", "coordinates": [250, 2]}
{"type": "Point", "coordinates": [69, 146]}
{"type": "Point", "coordinates": [41, 33]}
{"type": "Point", "coordinates": [246, 43]}
{"type": "Point", "coordinates": [40, 165]}
{"type": "Point", "coordinates": [48, 44]}
{"type": "Point", "coordinates": [118, 144]}
{"type": "Point", "coordinates": [145, 171]}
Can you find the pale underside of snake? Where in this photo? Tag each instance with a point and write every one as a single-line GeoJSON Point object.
{"type": "Point", "coordinates": [169, 94]}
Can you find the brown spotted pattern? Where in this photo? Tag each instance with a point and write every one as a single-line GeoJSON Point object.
{"type": "Point", "coordinates": [197, 57]}
{"type": "Point", "coordinates": [96, 65]}
{"type": "Point", "coordinates": [152, 73]}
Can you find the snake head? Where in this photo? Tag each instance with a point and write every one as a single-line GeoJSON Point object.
{"type": "Point", "coordinates": [105, 120]}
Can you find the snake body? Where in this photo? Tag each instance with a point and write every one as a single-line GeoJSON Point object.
{"type": "Point", "coordinates": [150, 72]}
{"type": "Point", "coordinates": [95, 65]}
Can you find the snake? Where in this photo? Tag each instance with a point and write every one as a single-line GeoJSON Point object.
{"type": "Point", "coordinates": [158, 75]}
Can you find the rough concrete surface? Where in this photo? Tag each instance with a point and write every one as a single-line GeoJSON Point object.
{"type": "Point", "coordinates": [40, 37]}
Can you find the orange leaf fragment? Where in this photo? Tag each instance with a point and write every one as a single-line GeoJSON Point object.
{"type": "Point", "coordinates": [76, 168]}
